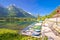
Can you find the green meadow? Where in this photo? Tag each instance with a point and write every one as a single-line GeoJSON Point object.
{"type": "Point", "coordinates": [7, 34]}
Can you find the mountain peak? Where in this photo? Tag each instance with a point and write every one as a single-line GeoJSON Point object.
{"type": "Point", "coordinates": [12, 5]}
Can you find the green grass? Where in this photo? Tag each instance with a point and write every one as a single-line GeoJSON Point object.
{"type": "Point", "coordinates": [7, 34]}
{"type": "Point", "coordinates": [46, 38]}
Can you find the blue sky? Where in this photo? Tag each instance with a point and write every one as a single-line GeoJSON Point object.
{"type": "Point", "coordinates": [43, 7]}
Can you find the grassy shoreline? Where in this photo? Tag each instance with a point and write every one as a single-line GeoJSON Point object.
{"type": "Point", "coordinates": [7, 34]}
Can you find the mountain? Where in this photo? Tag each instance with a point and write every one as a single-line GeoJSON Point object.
{"type": "Point", "coordinates": [3, 11]}
{"type": "Point", "coordinates": [14, 12]}
{"type": "Point", "coordinates": [17, 12]}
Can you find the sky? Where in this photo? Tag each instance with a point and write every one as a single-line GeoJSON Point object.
{"type": "Point", "coordinates": [35, 7]}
